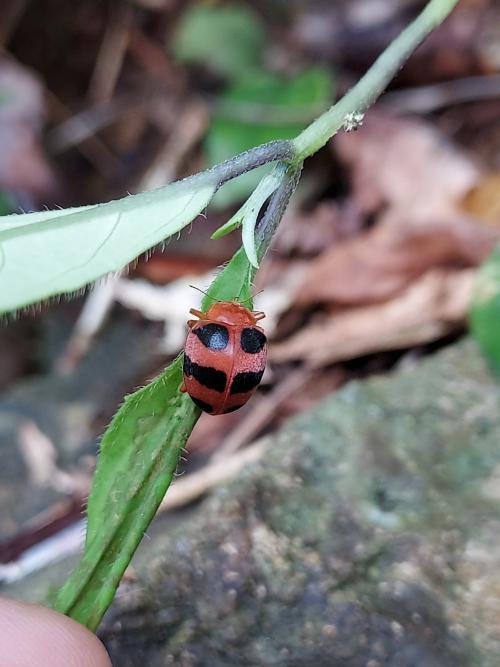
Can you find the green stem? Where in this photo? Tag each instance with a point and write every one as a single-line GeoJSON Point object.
{"type": "Point", "coordinates": [369, 88]}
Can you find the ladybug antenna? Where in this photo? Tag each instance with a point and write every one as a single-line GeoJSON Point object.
{"type": "Point", "coordinates": [252, 297]}
{"type": "Point", "coordinates": [203, 292]}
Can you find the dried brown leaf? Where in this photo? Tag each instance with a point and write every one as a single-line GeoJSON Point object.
{"type": "Point", "coordinates": [413, 179]}
{"type": "Point", "coordinates": [483, 201]}
{"type": "Point", "coordinates": [387, 258]}
{"type": "Point", "coordinates": [326, 224]}
{"type": "Point", "coordinates": [406, 165]}
{"type": "Point", "coordinates": [429, 309]}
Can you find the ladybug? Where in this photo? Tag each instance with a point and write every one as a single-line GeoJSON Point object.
{"type": "Point", "coordinates": [224, 357]}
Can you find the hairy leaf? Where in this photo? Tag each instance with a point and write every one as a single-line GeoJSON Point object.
{"type": "Point", "coordinates": [138, 457]}
{"type": "Point", "coordinates": [56, 252]}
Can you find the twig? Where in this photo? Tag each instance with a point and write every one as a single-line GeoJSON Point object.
{"type": "Point", "coordinates": [192, 123]}
{"type": "Point", "coordinates": [54, 549]}
{"type": "Point", "coordinates": [104, 161]}
{"type": "Point", "coordinates": [111, 54]}
{"type": "Point", "coordinates": [447, 93]}
{"type": "Point", "coordinates": [68, 541]}
{"type": "Point", "coordinates": [81, 126]}
{"type": "Point", "coordinates": [191, 487]}
{"type": "Point", "coordinates": [92, 316]}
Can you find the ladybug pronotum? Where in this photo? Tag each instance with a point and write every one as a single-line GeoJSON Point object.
{"type": "Point", "coordinates": [224, 357]}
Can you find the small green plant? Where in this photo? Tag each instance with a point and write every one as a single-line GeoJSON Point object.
{"type": "Point", "coordinates": [485, 311]}
{"type": "Point", "coordinates": [57, 252]}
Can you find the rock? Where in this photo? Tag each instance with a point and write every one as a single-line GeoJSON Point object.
{"type": "Point", "coordinates": [368, 537]}
{"type": "Point", "coordinates": [65, 414]}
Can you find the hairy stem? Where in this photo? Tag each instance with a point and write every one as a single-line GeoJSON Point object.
{"type": "Point", "coordinates": [254, 157]}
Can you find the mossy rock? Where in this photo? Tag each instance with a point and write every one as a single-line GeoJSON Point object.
{"type": "Point", "coordinates": [368, 536]}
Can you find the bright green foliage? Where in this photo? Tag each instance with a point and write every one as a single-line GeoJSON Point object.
{"type": "Point", "coordinates": [260, 108]}
{"type": "Point", "coordinates": [56, 252]}
{"type": "Point", "coordinates": [139, 453]}
{"type": "Point", "coordinates": [485, 311]}
{"type": "Point", "coordinates": [229, 39]}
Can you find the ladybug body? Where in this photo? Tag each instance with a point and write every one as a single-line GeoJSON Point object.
{"type": "Point", "coordinates": [224, 357]}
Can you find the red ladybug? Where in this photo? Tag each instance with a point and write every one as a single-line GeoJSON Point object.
{"type": "Point", "coordinates": [224, 357]}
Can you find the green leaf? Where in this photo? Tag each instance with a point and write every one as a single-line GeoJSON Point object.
{"type": "Point", "coordinates": [55, 252]}
{"type": "Point", "coordinates": [22, 219]}
{"type": "Point", "coordinates": [269, 184]}
{"type": "Point", "coordinates": [139, 453]}
{"type": "Point", "coordinates": [485, 311]}
{"type": "Point", "coordinates": [229, 40]}
{"type": "Point", "coordinates": [233, 283]}
{"type": "Point", "coordinates": [248, 213]}
{"type": "Point", "coordinates": [258, 109]}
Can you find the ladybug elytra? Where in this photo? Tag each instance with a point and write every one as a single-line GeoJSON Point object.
{"type": "Point", "coordinates": [224, 357]}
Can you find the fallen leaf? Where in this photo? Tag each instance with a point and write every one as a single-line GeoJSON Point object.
{"type": "Point", "coordinates": [405, 165]}
{"type": "Point", "coordinates": [381, 262]}
{"type": "Point", "coordinates": [483, 201]}
{"type": "Point", "coordinates": [162, 268]}
{"type": "Point", "coordinates": [429, 309]}
{"type": "Point", "coordinates": [311, 232]}
{"type": "Point", "coordinates": [412, 179]}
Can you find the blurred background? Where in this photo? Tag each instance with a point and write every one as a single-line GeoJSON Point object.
{"type": "Point", "coordinates": [373, 266]}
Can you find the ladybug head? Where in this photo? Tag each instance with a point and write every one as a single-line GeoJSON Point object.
{"type": "Point", "coordinates": [231, 312]}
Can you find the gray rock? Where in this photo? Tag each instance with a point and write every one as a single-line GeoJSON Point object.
{"type": "Point", "coordinates": [69, 410]}
{"type": "Point", "coordinates": [368, 537]}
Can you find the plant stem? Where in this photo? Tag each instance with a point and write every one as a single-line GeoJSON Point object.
{"type": "Point", "coordinates": [282, 149]}
{"type": "Point", "coordinates": [372, 84]}
{"type": "Point", "coordinates": [276, 209]}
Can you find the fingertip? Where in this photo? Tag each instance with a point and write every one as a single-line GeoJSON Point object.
{"type": "Point", "coordinates": [35, 636]}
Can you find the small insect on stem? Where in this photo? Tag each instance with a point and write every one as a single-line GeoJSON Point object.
{"type": "Point", "coordinates": [224, 356]}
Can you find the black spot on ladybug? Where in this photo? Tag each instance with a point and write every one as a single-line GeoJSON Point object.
{"type": "Point", "coordinates": [206, 407]}
{"type": "Point", "coordinates": [206, 375]}
{"type": "Point", "coordinates": [252, 340]}
{"type": "Point", "coordinates": [233, 409]}
{"type": "Point", "coordinates": [213, 336]}
{"type": "Point", "coordinates": [188, 365]}
{"type": "Point", "coordinates": [246, 381]}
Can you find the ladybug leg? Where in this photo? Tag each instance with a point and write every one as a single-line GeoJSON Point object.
{"type": "Point", "coordinates": [191, 323]}
{"type": "Point", "coordinates": [259, 315]}
{"type": "Point", "coordinates": [197, 313]}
